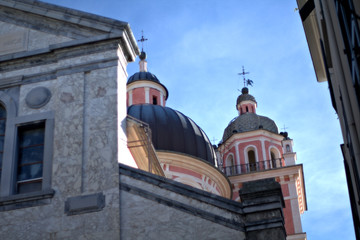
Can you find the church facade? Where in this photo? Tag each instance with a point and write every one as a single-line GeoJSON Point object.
{"type": "Point", "coordinates": [88, 153]}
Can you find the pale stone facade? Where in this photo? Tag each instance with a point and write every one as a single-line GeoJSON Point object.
{"type": "Point", "coordinates": [63, 83]}
{"type": "Point", "coordinates": [80, 60]}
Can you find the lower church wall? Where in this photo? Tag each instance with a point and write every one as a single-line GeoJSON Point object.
{"type": "Point", "coordinates": [153, 207]}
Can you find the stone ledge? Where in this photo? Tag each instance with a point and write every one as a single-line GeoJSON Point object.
{"type": "Point", "coordinates": [73, 19]}
{"type": "Point", "coordinates": [72, 16]}
{"type": "Point", "coordinates": [231, 223]}
{"type": "Point", "coordinates": [26, 200]}
{"type": "Point", "coordinates": [180, 188]}
{"type": "Point", "coordinates": [58, 46]}
{"type": "Point", "coordinates": [45, 76]}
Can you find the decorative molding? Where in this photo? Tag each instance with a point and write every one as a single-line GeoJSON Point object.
{"type": "Point", "coordinates": [38, 97]}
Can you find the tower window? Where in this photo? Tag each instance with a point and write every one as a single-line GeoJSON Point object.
{"type": "Point", "coordinates": [252, 160]}
{"type": "Point", "coordinates": [273, 159]}
{"type": "Point", "coordinates": [155, 102]}
{"type": "Point", "coordinates": [230, 167]}
{"type": "Point", "coordinates": [287, 148]}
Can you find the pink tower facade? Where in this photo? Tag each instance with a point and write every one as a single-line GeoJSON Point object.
{"type": "Point", "coordinates": [252, 149]}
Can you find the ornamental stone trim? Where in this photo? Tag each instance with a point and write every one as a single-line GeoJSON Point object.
{"type": "Point", "coordinates": [38, 97]}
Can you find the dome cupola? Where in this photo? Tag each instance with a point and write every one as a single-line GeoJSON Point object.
{"type": "Point", "coordinates": [246, 103]}
{"type": "Point", "coordinates": [248, 120]}
{"type": "Point", "coordinates": [144, 87]}
{"type": "Point", "coordinates": [173, 131]}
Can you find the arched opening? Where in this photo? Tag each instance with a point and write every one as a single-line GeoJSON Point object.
{"type": "Point", "coordinates": [230, 167]}
{"type": "Point", "coordinates": [155, 101]}
{"type": "Point", "coordinates": [288, 148]}
{"type": "Point", "coordinates": [273, 159]}
{"type": "Point", "coordinates": [247, 109]}
{"type": "Point", "coordinates": [252, 160]}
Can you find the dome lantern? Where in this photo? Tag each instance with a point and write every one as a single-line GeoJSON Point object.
{"type": "Point", "coordinates": [246, 103]}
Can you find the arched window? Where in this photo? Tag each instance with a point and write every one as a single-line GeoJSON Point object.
{"type": "Point", "coordinates": [2, 134]}
{"type": "Point", "coordinates": [252, 160]}
{"type": "Point", "coordinates": [273, 159]}
{"type": "Point", "coordinates": [288, 148]}
{"type": "Point", "coordinates": [230, 167]}
{"type": "Point", "coordinates": [155, 101]}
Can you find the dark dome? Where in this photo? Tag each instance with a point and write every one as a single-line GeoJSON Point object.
{"type": "Point", "coordinates": [249, 122]}
{"type": "Point", "coordinates": [142, 76]}
{"type": "Point", "coordinates": [173, 131]}
{"type": "Point", "coordinates": [245, 97]}
{"type": "Point", "coordinates": [139, 76]}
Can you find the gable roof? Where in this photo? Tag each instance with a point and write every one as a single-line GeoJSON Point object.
{"type": "Point", "coordinates": [66, 22]}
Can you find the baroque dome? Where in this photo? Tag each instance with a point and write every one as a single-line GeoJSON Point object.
{"type": "Point", "coordinates": [173, 131]}
{"type": "Point", "coordinates": [249, 122]}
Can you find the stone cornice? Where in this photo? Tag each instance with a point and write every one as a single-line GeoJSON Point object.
{"type": "Point", "coordinates": [67, 22]}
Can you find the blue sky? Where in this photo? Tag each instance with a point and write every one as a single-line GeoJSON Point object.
{"type": "Point", "coordinates": [196, 48]}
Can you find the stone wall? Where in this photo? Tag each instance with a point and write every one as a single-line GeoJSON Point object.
{"type": "Point", "coordinates": [154, 207]}
{"type": "Point", "coordinates": [69, 76]}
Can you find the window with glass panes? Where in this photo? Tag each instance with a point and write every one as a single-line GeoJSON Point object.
{"type": "Point", "coordinates": [2, 135]}
{"type": "Point", "coordinates": [30, 157]}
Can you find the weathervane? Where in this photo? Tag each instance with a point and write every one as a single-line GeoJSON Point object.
{"type": "Point", "coordinates": [247, 82]}
{"type": "Point", "coordinates": [142, 40]}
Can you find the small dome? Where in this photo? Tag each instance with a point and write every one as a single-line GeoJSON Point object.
{"type": "Point", "coordinates": [173, 131]}
{"type": "Point", "coordinates": [249, 122]}
{"type": "Point", "coordinates": [142, 76]}
{"type": "Point", "coordinates": [245, 96]}
{"type": "Point", "coordinates": [147, 76]}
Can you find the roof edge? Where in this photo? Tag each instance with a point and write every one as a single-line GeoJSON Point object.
{"type": "Point", "coordinates": [64, 14]}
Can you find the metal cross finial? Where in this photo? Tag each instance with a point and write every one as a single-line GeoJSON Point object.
{"type": "Point", "coordinates": [247, 82]}
{"type": "Point", "coordinates": [284, 128]}
{"type": "Point", "coordinates": [214, 140]}
{"type": "Point", "coordinates": [142, 40]}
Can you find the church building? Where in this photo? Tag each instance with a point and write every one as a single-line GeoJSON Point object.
{"type": "Point", "coordinates": [87, 152]}
{"type": "Point", "coordinates": [251, 148]}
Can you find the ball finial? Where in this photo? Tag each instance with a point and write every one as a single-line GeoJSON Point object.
{"type": "Point", "coordinates": [245, 90]}
{"type": "Point", "coordinates": [142, 55]}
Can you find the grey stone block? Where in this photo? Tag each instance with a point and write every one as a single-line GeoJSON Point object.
{"type": "Point", "coordinates": [85, 204]}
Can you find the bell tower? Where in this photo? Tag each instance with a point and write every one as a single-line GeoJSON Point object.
{"type": "Point", "coordinates": [253, 149]}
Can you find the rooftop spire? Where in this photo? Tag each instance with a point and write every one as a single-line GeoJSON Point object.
{"type": "Point", "coordinates": [143, 62]}
{"type": "Point", "coordinates": [247, 82]}
{"type": "Point", "coordinates": [142, 40]}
